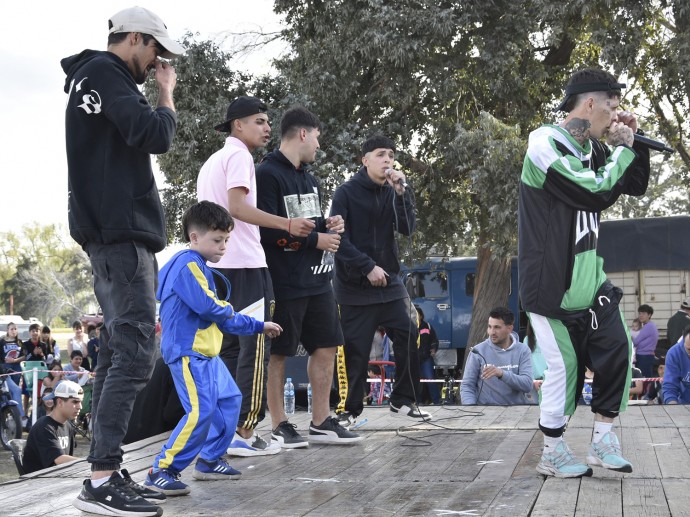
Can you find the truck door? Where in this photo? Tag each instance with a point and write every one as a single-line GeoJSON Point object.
{"type": "Point", "coordinates": [429, 290]}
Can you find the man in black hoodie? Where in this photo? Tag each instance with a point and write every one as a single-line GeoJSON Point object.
{"type": "Point", "coordinates": [375, 203]}
{"type": "Point", "coordinates": [115, 214]}
{"type": "Point", "coordinates": [301, 278]}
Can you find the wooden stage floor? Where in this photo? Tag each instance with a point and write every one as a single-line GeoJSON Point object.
{"type": "Point", "coordinates": [468, 461]}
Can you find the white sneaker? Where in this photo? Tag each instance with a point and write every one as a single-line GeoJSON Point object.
{"type": "Point", "coordinates": [254, 446]}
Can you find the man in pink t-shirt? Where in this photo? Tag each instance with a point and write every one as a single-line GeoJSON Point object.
{"type": "Point", "coordinates": [228, 178]}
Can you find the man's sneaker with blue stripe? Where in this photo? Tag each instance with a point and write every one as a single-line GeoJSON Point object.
{"type": "Point", "coordinates": [253, 446]}
{"type": "Point", "coordinates": [607, 453]}
{"type": "Point", "coordinates": [561, 463]}
{"type": "Point", "coordinates": [166, 482]}
{"type": "Point", "coordinates": [219, 469]}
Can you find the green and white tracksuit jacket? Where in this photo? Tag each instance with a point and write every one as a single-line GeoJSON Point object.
{"type": "Point", "coordinates": [572, 308]}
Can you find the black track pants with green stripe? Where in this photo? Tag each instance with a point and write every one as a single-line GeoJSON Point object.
{"type": "Point", "coordinates": [598, 340]}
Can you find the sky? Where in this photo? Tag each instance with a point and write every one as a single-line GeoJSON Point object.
{"type": "Point", "coordinates": [34, 37]}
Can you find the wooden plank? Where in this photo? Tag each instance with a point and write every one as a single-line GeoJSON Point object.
{"type": "Point", "coordinates": [679, 414]}
{"type": "Point", "coordinates": [674, 457]}
{"type": "Point", "coordinates": [644, 497]}
{"type": "Point", "coordinates": [677, 496]}
{"type": "Point", "coordinates": [517, 497]}
{"type": "Point", "coordinates": [638, 449]}
{"type": "Point", "coordinates": [600, 498]}
{"type": "Point", "coordinates": [657, 416]}
{"type": "Point", "coordinates": [557, 498]}
{"type": "Point", "coordinates": [632, 417]}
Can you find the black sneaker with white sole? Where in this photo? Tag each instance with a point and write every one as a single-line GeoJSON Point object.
{"type": "Point", "coordinates": [412, 411]}
{"type": "Point", "coordinates": [330, 432]}
{"type": "Point", "coordinates": [115, 497]}
{"type": "Point", "coordinates": [150, 495]}
{"type": "Point", "coordinates": [287, 436]}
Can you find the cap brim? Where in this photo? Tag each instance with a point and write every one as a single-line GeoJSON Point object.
{"type": "Point", "coordinates": [172, 48]}
{"type": "Point", "coordinates": [224, 127]}
{"type": "Point", "coordinates": [561, 106]}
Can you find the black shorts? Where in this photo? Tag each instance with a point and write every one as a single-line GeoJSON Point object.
{"type": "Point", "coordinates": [311, 320]}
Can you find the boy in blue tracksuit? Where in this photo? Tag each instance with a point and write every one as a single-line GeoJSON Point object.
{"type": "Point", "coordinates": [192, 318]}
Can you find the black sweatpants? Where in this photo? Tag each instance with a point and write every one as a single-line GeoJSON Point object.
{"type": "Point", "coordinates": [359, 323]}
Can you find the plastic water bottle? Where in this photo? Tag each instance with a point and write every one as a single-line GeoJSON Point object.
{"type": "Point", "coordinates": [289, 397]}
{"type": "Point", "coordinates": [328, 256]}
{"type": "Point", "coordinates": [309, 398]}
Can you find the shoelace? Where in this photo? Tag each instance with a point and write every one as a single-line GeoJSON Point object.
{"type": "Point", "coordinates": [123, 488]}
{"type": "Point", "coordinates": [612, 447]}
{"type": "Point", "coordinates": [563, 458]}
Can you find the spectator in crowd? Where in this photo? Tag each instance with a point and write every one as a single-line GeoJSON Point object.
{"type": "Point", "coordinates": [34, 348]}
{"type": "Point", "coordinates": [538, 362]}
{"type": "Point", "coordinates": [94, 346]}
{"type": "Point", "coordinates": [428, 345]}
{"type": "Point", "coordinates": [47, 402]}
{"type": "Point", "coordinates": [646, 341]}
{"type": "Point", "coordinates": [74, 371]}
{"type": "Point", "coordinates": [11, 358]}
{"type": "Point", "coordinates": [79, 342]}
{"type": "Point", "coordinates": [635, 328]}
{"type": "Point", "coordinates": [677, 322]}
{"type": "Point", "coordinates": [499, 370]}
{"type": "Point", "coordinates": [51, 345]}
{"type": "Point", "coordinates": [637, 385]}
{"type": "Point", "coordinates": [655, 392]}
{"type": "Point", "coordinates": [54, 376]}
{"type": "Point", "coordinates": [676, 385]}
{"type": "Point", "coordinates": [228, 178]}
{"type": "Point", "coordinates": [51, 439]}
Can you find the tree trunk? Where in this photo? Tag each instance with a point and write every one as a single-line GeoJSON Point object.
{"type": "Point", "coordinates": [491, 289]}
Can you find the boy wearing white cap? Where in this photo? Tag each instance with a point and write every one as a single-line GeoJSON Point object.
{"type": "Point", "coordinates": [51, 441]}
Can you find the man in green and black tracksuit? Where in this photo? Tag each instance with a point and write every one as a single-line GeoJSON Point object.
{"type": "Point", "coordinates": [568, 178]}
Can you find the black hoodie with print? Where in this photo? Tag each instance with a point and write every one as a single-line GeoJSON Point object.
{"type": "Point", "coordinates": [295, 263]}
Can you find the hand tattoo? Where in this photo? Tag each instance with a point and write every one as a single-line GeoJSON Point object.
{"type": "Point", "coordinates": [579, 129]}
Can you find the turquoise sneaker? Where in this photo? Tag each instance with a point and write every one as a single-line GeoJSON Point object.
{"type": "Point", "coordinates": [561, 463]}
{"type": "Point", "coordinates": [607, 454]}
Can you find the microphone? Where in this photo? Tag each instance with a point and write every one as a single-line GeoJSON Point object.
{"type": "Point", "coordinates": [475, 351]}
{"type": "Point", "coordinates": [653, 144]}
{"type": "Point", "coordinates": [400, 180]}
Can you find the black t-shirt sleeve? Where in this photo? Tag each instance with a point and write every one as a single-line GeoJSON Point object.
{"type": "Point", "coordinates": [43, 446]}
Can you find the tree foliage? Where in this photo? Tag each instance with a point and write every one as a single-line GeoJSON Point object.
{"type": "Point", "coordinates": [459, 85]}
{"type": "Point", "coordinates": [47, 274]}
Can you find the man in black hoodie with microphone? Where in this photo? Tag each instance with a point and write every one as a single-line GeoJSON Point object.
{"type": "Point", "coordinates": [375, 203]}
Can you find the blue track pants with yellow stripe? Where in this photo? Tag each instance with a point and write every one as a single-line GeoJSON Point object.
{"type": "Point", "coordinates": [211, 401]}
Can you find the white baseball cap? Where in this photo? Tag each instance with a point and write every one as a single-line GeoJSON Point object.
{"type": "Point", "coordinates": [138, 19]}
{"type": "Point", "coordinates": [68, 390]}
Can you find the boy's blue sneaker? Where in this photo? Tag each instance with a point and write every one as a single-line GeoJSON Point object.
{"type": "Point", "coordinates": [166, 482]}
{"type": "Point", "coordinates": [219, 469]}
{"type": "Point", "coordinates": [607, 453]}
{"type": "Point", "coordinates": [561, 463]}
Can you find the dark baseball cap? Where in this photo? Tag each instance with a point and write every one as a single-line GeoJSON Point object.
{"type": "Point", "coordinates": [239, 108]}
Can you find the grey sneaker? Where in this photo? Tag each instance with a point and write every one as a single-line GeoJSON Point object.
{"type": "Point", "coordinates": [561, 463]}
{"type": "Point", "coordinates": [254, 446]}
{"type": "Point", "coordinates": [331, 432]}
{"type": "Point", "coordinates": [607, 453]}
{"type": "Point", "coordinates": [287, 437]}
{"type": "Point", "coordinates": [115, 497]}
{"type": "Point", "coordinates": [346, 419]}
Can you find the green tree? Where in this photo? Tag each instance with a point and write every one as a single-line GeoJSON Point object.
{"type": "Point", "coordinates": [46, 273]}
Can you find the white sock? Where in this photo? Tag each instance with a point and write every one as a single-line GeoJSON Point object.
{"type": "Point", "coordinates": [98, 482]}
{"type": "Point", "coordinates": [600, 429]}
{"type": "Point", "coordinates": [551, 442]}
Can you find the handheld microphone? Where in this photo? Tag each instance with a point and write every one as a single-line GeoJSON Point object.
{"type": "Point", "coordinates": [653, 144]}
{"type": "Point", "coordinates": [400, 180]}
